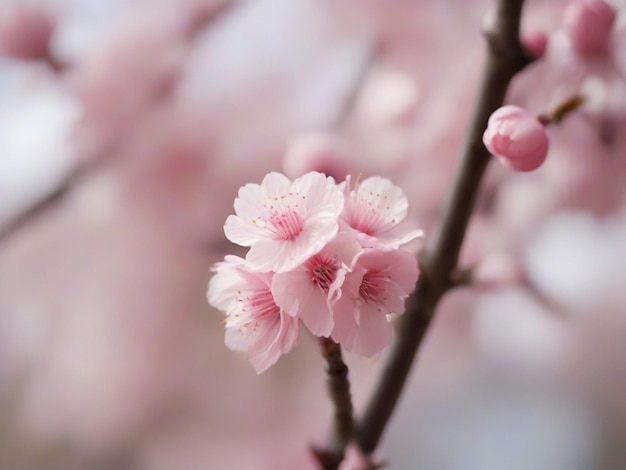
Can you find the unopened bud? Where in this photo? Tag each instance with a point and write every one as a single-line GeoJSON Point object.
{"type": "Point", "coordinates": [535, 43]}
{"type": "Point", "coordinates": [25, 32]}
{"type": "Point", "coordinates": [517, 138]}
{"type": "Point", "coordinates": [588, 24]}
{"type": "Point", "coordinates": [317, 151]}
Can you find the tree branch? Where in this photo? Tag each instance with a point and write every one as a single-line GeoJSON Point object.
{"type": "Point", "coordinates": [339, 391]}
{"type": "Point", "coordinates": [506, 58]}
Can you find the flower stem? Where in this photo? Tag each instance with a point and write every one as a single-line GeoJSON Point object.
{"type": "Point", "coordinates": [339, 391]}
{"type": "Point", "coordinates": [506, 58]}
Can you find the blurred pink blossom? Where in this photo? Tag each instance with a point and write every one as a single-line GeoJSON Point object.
{"type": "Point", "coordinates": [588, 24]}
{"type": "Point", "coordinates": [25, 32]}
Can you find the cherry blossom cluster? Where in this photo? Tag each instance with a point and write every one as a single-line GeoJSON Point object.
{"type": "Point", "coordinates": [333, 256]}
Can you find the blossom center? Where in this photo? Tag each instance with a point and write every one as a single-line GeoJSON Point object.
{"type": "Point", "coordinates": [322, 271]}
{"type": "Point", "coordinates": [370, 215]}
{"type": "Point", "coordinates": [372, 288]}
{"type": "Point", "coordinates": [285, 225]}
{"type": "Point", "coordinates": [262, 307]}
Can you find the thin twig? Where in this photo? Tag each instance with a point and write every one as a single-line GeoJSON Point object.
{"type": "Point", "coordinates": [506, 58]}
{"type": "Point", "coordinates": [562, 110]}
{"type": "Point", "coordinates": [339, 391]}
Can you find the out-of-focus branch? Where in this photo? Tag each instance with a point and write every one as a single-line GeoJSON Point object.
{"type": "Point", "coordinates": [373, 50]}
{"type": "Point", "coordinates": [506, 58]}
{"type": "Point", "coordinates": [205, 19]}
{"type": "Point", "coordinates": [339, 391]}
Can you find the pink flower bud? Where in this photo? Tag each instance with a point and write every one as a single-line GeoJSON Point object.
{"type": "Point", "coordinates": [588, 25]}
{"type": "Point", "coordinates": [25, 33]}
{"type": "Point", "coordinates": [535, 43]}
{"type": "Point", "coordinates": [517, 138]}
{"type": "Point", "coordinates": [317, 151]}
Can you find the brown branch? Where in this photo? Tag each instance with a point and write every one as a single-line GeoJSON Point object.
{"type": "Point", "coordinates": [506, 58]}
{"type": "Point", "coordinates": [339, 391]}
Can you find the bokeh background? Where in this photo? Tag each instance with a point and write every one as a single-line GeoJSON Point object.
{"type": "Point", "coordinates": [126, 128]}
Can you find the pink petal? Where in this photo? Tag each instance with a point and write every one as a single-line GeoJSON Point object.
{"type": "Point", "coordinates": [374, 332]}
{"type": "Point", "coordinates": [241, 232]}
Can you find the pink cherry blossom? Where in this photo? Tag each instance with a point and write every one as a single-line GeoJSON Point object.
{"type": "Point", "coordinates": [310, 290]}
{"type": "Point", "coordinates": [374, 207]}
{"type": "Point", "coordinates": [588, 25]}
{"type": "Point", "coordinates": [25, 32]}
{"type": "Point", "coordinates": [284, 223]}
{"type": "Point", "coordinates": [254, 323]}
{"type": "Point", "coordinates": [378, 286]}
{"type": "Point", "coordinates": [319, 151]}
